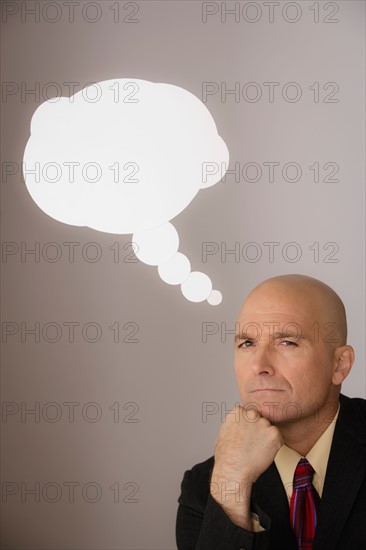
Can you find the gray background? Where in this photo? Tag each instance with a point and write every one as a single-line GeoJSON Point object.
{"type": "Point", "coordinates": [162, 381]}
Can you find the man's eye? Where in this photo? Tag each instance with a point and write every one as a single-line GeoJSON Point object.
{"type": "Point", "coordinates": [288, 343]}
{"type": "Point", "coordinates": [246, 344]}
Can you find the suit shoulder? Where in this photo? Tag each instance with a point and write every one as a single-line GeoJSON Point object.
{"type": "Point", "coordinates": [353, 407]}
{"type": "Point", "coordinates": [361, 405]}
{"type": "Point", "coordinates": [195, 486]}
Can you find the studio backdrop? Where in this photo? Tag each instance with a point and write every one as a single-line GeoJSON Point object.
{"type": "Point", "coordinates": [159, 159]}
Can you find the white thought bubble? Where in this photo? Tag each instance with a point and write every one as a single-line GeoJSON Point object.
{"type": "Point", "coordinates": [126, 156]}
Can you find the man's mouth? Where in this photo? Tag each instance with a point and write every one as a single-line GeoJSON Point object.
{"type": "Point", "coordinates": [265, 390]}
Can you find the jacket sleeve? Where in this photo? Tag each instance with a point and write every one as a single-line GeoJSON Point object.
{"type": "Point", "coordinates": [203, 525]}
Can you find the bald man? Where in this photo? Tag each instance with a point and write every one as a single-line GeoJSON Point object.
{"type": "Point", "coordinates": [291, 357]}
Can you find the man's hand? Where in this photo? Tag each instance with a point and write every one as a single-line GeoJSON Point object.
{"type": "Point", "coordinates": [245, 448]}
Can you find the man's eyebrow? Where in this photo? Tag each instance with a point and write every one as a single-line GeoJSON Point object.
{"type": "Point", "coordinates": [244, 336]}
{"type": "Point", "coordinates": [288, 334]}
{"type": "Point", "coordinates": [274, 336]}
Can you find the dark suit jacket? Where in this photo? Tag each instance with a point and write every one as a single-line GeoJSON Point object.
{"type": "Point", "coordinates": [203, 525]}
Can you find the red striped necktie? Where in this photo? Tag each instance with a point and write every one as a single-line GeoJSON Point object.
{"type": "Point", "coordinates": [304, 505]}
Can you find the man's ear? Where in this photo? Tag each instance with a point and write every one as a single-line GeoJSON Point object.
{"type": "Point", "coordinates": [344, 357]}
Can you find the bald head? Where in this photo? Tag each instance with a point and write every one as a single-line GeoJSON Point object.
{"type": "Point", "coordinates": [301, 295]}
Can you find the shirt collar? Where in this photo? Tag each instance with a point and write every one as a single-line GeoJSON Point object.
{"type": "Point", "coordinates": [287, 459]}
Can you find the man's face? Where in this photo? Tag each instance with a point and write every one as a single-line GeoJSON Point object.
{"type": "Point", "coordinates": [284, 361]}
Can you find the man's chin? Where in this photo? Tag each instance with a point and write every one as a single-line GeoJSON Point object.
{"type": "Point", "coordinates": [275, 411]}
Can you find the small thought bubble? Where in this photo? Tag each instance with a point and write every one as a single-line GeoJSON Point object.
{"type": "Point", "coordinates": [126, 156]}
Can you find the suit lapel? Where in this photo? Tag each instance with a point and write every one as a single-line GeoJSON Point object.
{"type": "Point", "coordinates": [269, 493]}
{"type": "Point", "coordinates": [345, 473]}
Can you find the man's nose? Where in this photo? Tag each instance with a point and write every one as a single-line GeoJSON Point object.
{"type": "Point", "coordinates": [263, 360]}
